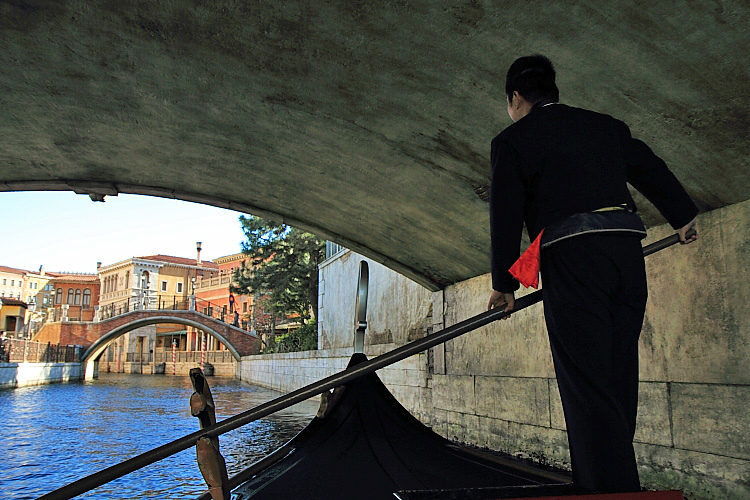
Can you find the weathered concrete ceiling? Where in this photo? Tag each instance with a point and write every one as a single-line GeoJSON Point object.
{"type": "Point", "coordinates": [366, 122]}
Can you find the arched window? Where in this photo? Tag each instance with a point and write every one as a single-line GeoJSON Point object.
{"type": "Point", "coordinates": [58, 296]}
{"type": "Point", "coordinates": [78, 298]}
{"type": "Point", "coordinates": [87, 298]}
{"type": "Point", "coordinates": [70, 297]}
{"type": "Point", "coordinates": [127, 279]}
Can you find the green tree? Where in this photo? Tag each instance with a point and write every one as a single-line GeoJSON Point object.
{"type": "Point", "coordinates": [303, 338]}
{"type": "Point", "coordinates": [283, 267]}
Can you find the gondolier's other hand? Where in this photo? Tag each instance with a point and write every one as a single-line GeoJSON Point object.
{"type": "Point", "coordinates": [499, 299]}
{"type": "Point", "coordinates": [684, 229]}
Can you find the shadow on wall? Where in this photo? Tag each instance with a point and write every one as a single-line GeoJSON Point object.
{"type": "Point", "coordinates": [8, 375]}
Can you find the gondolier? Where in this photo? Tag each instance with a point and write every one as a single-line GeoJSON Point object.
{"type": "Point", "coordinates": [563, 172]}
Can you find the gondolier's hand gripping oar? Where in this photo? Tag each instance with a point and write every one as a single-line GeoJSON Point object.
{"type": "Point", "coordinates": [337, 379]}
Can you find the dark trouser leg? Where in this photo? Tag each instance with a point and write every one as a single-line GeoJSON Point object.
{"type": "Point", "coordinates": [594, 290]}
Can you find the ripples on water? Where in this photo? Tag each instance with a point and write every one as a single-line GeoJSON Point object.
{"type": "Point", "coordinates": [55, 434]}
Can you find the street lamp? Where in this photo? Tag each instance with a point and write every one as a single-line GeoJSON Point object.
{"type": "Point", "coordinates": [192, 293]}
{"type": "Point", "coordinates": [52, 306]}
{"type": "Point", "coordinates": [144, 289]}
{"type": "Point", "coordinates": [30, 326]}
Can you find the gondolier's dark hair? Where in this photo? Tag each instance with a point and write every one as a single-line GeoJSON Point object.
{"type": "Point", "coordinates": [533, 77]}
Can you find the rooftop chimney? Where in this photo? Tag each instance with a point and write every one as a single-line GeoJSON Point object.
{"type": "Point", "coordinates": [198, 248]}
{"type": "Point", "coordinates": [98, 265]}
{"type": "Point", "coordinates": [41, 270]}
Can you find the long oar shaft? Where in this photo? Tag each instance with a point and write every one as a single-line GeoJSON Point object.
{"type": "Point", "coordinates": [111, 473]}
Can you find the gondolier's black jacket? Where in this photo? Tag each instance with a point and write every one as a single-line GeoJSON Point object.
{"type": "Point", "coordinates": [558, 161]}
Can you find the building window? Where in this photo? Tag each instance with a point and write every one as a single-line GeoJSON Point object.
{"type": "Point", "coordinates": [127, 279]}
{"type": "Point", "coordinates": [87, 298]}
{"type": "Point", "coordinates": [69, 301]}
{"type": "Point", "coordinates": [12, 282]}
{"type": "Point", "coordinates": [332, 249]}
{"type": "Point", "coordinates": [78, 298]}
{"type": "Point", "coordinates": [2, 294]}
{"type": "Point", "coordinates": [163, 286]}
{"type": "Point", "coordinates": [179, 287]}
{"type": "Point", "coordinates": [244, 307]}
{"type": "Point", "coordinates": [58, 296]}
{"type": "Point", "coordinates": [5, 281]}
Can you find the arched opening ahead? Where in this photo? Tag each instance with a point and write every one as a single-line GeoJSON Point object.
{"type": "Point", "coordinates": [92, 355]}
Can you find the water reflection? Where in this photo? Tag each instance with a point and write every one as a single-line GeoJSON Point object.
{"type": "Point", "coordinates": [56, 434]}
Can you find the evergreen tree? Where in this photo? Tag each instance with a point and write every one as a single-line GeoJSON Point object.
{"type": "Point", "coordinates": [283, 267]}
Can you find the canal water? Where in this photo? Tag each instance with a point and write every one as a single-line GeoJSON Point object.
{"type": "Point", "coordinates": [55, 434]}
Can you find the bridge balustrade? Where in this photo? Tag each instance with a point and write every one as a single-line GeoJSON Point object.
{"type": "Point", "coordinates": [216, 311]}
{"type": "Point", "coordinates": [25, 351]}
{"type": "Point", "coordinates": [139, 357]}
{"type": "Point", "coordinates": [162, 302]}
{"type": "Point", "coordinates": [194, 357]}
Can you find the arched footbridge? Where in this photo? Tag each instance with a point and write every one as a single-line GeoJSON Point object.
{"type": "Point", "coordinates": [238, 341]}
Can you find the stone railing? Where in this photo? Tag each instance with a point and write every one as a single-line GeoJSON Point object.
{"type": "Point", "coordinates": [25, 351]}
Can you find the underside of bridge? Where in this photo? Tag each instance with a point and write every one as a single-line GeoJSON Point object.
{"type": "Point", "coordinates": [368, 123]}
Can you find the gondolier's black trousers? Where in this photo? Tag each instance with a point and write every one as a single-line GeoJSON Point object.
{"type": "Point", "coordinates": [594, 290]}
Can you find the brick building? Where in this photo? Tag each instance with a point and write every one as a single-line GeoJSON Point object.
{"type": "Point", "coordinates": [74, 296]}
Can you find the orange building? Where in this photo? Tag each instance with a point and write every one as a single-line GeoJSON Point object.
{"type": "Point", "coordinates": [212, 290]}
{"type": "Point", "coordinates": [213, 298]}
{"type": "Point", "coordinates": [74, 296]}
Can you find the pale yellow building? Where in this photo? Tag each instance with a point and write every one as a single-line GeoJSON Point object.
{"type": "Point", "coordinates": [11, 282]}
{"type": "Point", "coordinates": [150, 282]}
{"type": "Point", "coordinates": [30, 287]}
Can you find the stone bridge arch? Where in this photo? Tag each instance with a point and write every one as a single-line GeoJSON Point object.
{"type": "Point", "coordinates": [238, 342]}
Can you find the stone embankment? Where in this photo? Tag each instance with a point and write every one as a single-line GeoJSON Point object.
{"type": "Point", "coordinates": [24, 363]}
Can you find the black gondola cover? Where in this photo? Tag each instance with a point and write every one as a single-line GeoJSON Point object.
{"type": "Point", "coordinates": [368, 446]}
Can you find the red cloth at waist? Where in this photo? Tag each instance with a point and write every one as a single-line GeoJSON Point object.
{"type": "Point", "coordinates": [526, 268]}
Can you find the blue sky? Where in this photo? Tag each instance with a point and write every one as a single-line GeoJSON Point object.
{"type": "Point", "coordinates": [65, 231]}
